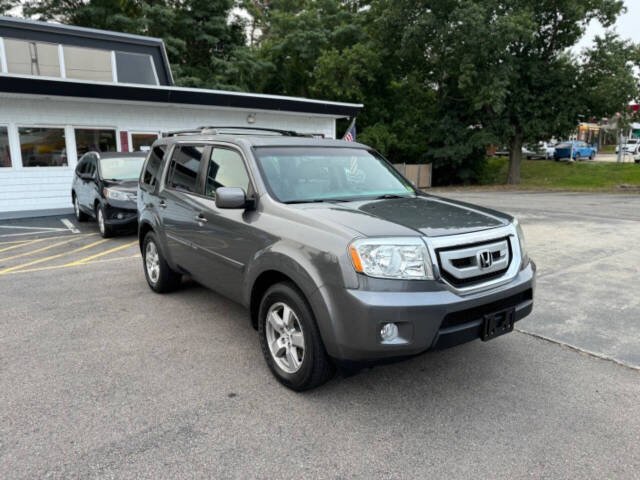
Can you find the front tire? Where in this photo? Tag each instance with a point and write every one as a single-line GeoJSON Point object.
{"type": "Point", "coordinates": [105, 230]}
{"type": "Point", "coordinates": [79, 214]}
{"type": "Point", "coordinates": [160, 277]}
{"type": "Point", "coordinates": [290, 340]}
{"type": "Point", "coordinates": [577, 157]}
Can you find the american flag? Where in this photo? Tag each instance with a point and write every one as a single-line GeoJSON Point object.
{"type": "Point", "coordinates": [350, 136]}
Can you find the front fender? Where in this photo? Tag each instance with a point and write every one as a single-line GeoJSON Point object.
{"type": "Point", "coordinates": [310, 269]}
{"type": "Point", "coordinates": [296, 262]}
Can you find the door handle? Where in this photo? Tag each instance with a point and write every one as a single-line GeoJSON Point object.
{"type": "Point", "coordinates": [201, 219]}
{"type": "Point", "coordinates": [162, 204]}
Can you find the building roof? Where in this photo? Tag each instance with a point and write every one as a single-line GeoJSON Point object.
{"type": "Point", "coordinates": [22, 84]}
{"type": "Point", "coordinates": [26, 29]}
{"type": "Point", "coordinates": [165, 93]}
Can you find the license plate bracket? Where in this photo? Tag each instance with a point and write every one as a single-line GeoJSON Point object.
{"type": "Point", "coordinates": [498, 323]}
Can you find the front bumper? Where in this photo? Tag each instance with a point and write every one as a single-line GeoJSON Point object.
{"type": "Point", "coordinates": [350, 320]}
{"type": "Point", "coordinates": [121, 214]}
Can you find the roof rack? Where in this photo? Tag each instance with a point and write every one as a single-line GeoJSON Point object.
{"type": "Point", "coordinates": [243, 131]}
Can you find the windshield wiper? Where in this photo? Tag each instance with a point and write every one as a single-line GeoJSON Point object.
{"type": "Point", "coordinates": [319, 200]}
{"type": "Point", "coordinates": [387, 196]}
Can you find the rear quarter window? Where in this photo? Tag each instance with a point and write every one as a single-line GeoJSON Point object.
{"type": "Point", "coordinates": [151, 170]}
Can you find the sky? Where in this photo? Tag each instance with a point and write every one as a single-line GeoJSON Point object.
{"type": "Point", "coordinates": [627, 26]}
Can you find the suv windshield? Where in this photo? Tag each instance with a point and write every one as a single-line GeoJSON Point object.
{"type": "Point", "coordinates": [298, 175]}
{"type": "Point", "coordinates": [121, 168]}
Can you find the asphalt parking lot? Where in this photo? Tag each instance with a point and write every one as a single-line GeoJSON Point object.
{"type": "Point", "coordinates": [101, 378]}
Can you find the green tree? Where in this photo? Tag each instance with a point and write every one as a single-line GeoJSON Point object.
{"type": "Point", "coordinates": [610, 81]}
{"type": "Point", "coordinates": [499, 68]}
{"type": "Point", "coordinates": [291, 35]}
{"type": "Point", "coordinates": [6, 6]}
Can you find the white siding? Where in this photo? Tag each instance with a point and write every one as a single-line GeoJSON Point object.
{"type": "Point", "coordinates": [44, 188]}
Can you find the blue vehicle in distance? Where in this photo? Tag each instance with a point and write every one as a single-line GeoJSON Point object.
{"type": "Point", "coordinates": [581, 151]}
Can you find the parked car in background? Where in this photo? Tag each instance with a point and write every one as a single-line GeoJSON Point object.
{"type": "Point", "coordinates": [541, 150]}
{"type": "Point", "coordinates": [538, 151]}
{"type": "Point", "coordinates": [337, 257]}
{"type": "Point", "coordinates": [629, 146]}
{"type": "Point", "coordinates": [548, 148]}
{"type": "Point", "coordinates": [531, 153]}
{"type": "Point", "coordinates": [104, 187]}
{"type": "Point", "coordinates": [581, 151]}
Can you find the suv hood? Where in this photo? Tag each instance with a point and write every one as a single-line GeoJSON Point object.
{"type": "Point", "coordinates": [426, 215]}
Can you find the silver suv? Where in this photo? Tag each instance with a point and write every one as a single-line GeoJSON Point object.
{"type": "Point", "coordinates": [340, 261]}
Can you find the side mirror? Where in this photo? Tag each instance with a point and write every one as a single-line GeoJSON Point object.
{"type": "Point", "coordinates": [231, 197]}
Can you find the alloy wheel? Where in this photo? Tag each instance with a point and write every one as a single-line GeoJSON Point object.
{"type": "Point", "coordinates": [152, 262]}
{"type": "Point", "coordinates": [285, 337]}
{"type": "Point", "coordinates": [76, 207]}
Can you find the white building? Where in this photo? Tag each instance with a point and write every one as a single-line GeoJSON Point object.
{"type": "Point", "coordinates": [67, 90]}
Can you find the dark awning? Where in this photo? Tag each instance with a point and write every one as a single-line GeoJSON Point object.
{"type": "Point", "coordinates": [173, 95]}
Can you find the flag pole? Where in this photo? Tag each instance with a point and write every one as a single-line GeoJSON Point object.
{"type": "Point", "coordinates": [353, 121]}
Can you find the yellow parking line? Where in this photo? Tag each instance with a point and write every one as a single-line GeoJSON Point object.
{"type": "Point", "coordinates": [21, 243]}
{"type": "Point", "coordinates": [48, 247]}
{"type": "Point", "coordinates": [41, 239]}
{"type": "Point", "coordinates": [72, 264]}
{"type": "Point", "coordinates": [104, 260]}
{"type": "Point", "coordinates": [101, 254]}
{"type": "Point", "coordinates": [52, 257]}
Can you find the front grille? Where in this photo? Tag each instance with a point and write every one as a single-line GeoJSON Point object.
{"type": "Point", "coordinates": [471, 264]}
{"type": "Point", "coordinates": [476, 313]}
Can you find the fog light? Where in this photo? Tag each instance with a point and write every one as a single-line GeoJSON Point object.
{"type": "Point", "coordinates": [389, 332]}
{"type": "Point", "coordinates": [120, 216]}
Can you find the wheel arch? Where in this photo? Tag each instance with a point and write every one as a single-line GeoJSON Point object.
{"type": "Point", "coordinates": [273, 268]}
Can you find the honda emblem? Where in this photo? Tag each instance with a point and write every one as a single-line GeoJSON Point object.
{"type": "Point", "coordinates": [485, 259]}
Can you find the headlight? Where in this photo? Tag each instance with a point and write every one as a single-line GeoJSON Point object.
{"type": "Point", "coordinates": [401, 258]}
{"type": "Point", "coordinates": [112, 194]}
{"type": "Point", "coordinates": [523, 249]}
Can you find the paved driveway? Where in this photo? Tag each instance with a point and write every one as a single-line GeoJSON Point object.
{"type": "Point", "coordinates": [101, 378]}
{"type": "Point", "coordinates": [587, 250]}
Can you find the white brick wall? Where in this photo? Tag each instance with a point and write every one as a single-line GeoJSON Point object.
{"type": "Point", "coordinates": [42, 188]}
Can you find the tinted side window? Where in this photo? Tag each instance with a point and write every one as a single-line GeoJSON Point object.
{"type": "Point", "coordinates": [152, 167]}
{"type": "Point", "coordinates": [184, 168]}
{"type": "Point", "coordinates": [82, 166]}
{"type": "Point", "coordinates": [226, 169]}
{"type": "Point", "coordinates": [91, 166]}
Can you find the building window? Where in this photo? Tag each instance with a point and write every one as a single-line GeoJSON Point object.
{"type": "Point", "coordinates": [94, 140]}
{"type": "Point", "coordinates": [87, 64]}
{"type": "Point", "coordinates": [32, 58]}
{"type": "Point", "coordinates": [5, 154]}
{"type": "Point", "coordinates": [42, 147]}
{"type": "Point", "coordinates": [142, 141]}
{"type": "Point", "coordinates": [135, 68]}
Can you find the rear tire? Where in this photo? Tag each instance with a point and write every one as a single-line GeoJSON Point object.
{"type": "Point", "coordinates": [160, 277]}
{"type": "Point", "coordinates": [291, 344]}
{"type": "Point", "coordinates": [79, 214]}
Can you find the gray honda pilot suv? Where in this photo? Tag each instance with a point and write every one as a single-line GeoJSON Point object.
{"type": "Point", "coordinates": [339, 259]}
